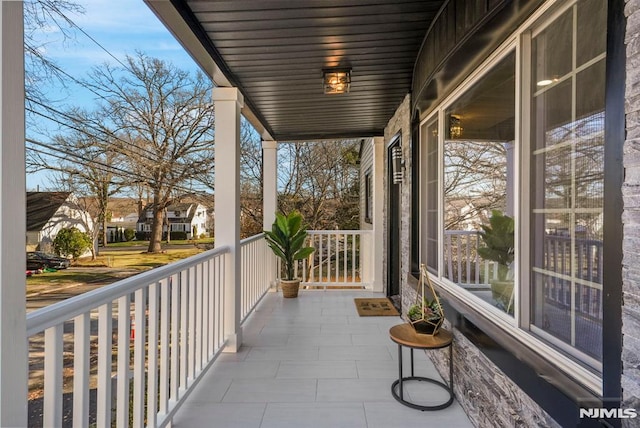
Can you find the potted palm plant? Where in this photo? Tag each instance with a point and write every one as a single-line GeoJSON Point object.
{"type": "Point", "coordinates": [498, 238]}
{"type": "Point", "coordinates": [286, 239]}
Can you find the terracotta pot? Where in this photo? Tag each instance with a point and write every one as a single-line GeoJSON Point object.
{"type": "Point", "coordinates": [290, 288]}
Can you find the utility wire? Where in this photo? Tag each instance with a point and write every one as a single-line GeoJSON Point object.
{"type": "Point", "coordinates": [97, 164]}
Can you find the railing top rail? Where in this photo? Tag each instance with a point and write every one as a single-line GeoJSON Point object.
{"type": "Point", "coordinates": [577, 240]}
{"type": "Point", "coordinates": [50, 316]}
{"type": "Point", "coordinates": [461, 232]}
{"type": "Point", "coordinates": [251, 239]}
{"type": "Point", "coordinates": [339, 232]}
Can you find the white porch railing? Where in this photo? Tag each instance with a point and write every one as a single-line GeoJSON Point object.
{"type": "Point", "coordinates": [168, 325]}
{"type": "Point", "coordinates": [342, 258]}
{"type": "Point", "coordinates": [258, 271]}
{"type": "Point", "coordinates": [463, 266]}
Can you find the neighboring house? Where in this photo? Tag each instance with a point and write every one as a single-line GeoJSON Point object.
{"type": "Point", "coordinates": [48, 213]}
{"type": "Point", "coordinates": [117, 226]}
{"type": "Point", "coordinates": [190, 218]}
{"type": "Point", "coordinates": [122, 214]}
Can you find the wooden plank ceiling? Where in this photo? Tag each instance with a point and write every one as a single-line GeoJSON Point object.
{"type": "Point", "coordinates": [275, 50]}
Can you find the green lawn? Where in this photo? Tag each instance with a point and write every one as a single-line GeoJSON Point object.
{"type": "Point", "coordinates": [137, 259]}
{"type": "Point", "coordinates": [65, 277]}
{"type": "Point", "coordinates": [129, 261]}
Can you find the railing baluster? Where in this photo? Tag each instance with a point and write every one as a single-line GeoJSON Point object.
{"type": "Point", "coordinates": [176, 305]}
{"type": "Point", "coordinates": [53, 365]}
{"type": "Point", "coordinates": [139, 343]}
{"type": "Point", "coordinates": [212, 306]}
{"type": "Point", "coordinates": [105, 345]}
{"type": "Point", "coordinates": [184, 312]}
{"type": "Point", "coordinates": [353, 257]}
{"type": "Point", "coordinates": [338, 259]}
{"type": "Point", "coordinates": [205, 313]}
{"type": "Point", "coordinates": [198, 320]}
{"type": "Point", "coordinates": [477, 260]}
{"type": "Point", "coordinates": [191, 346]}
{"type": "Point", "coordinates": [165, 344]}
{"type": "Point", "coordinates": [313, 259]}
{"type": "Point", "coordinates": [320, 259]}
{"type": "Point", "coordinates": [81, 344]}
{"type": "Point", "coordinates": [124, 352]}
{"type": "Point", "coordinates": [152, 363]}
{"type": "Point", "coordinates": [344, 257]}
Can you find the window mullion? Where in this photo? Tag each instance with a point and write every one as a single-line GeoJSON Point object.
{"type": "Point", "coordinates": [523, 208]}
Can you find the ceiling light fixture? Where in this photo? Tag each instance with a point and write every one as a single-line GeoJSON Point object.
{"type": "Point", "coordinates": [546, 82]}
{"type": "Point", "coordinates": [455, 127]}
{"type": "Point", "coordinates": [336, 80]}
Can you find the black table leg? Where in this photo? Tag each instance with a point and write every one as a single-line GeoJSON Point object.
{"type": "Point", "coordinates": [412, 362]}
{"type": "Point", "coordinates": [400, 372]}
{"type": "Point", "coordinates": [451, 369]}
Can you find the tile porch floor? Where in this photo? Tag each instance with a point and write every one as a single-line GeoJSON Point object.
{"type": "Point", "coordinates": [313, 362]}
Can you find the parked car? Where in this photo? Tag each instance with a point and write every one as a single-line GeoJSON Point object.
{"type": "Point", "coordinates": [39, 260]}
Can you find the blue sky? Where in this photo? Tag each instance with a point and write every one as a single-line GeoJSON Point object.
{"type": "Point", "coordinates": [122, 27]}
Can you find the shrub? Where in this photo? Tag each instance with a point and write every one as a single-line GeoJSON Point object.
{"type": "Point", "coordinates": [129, 234]}
{"type": "Point", "coordinates": [178, 235]}
{"type": "Point", "coordinates": [72, 242]}
{"type": "Point", "coordinates": [142, 236]}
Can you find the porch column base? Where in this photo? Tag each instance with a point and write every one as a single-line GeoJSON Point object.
{"type": "Point", "coordinates": [234, 341]}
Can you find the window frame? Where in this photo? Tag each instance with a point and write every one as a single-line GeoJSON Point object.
{"type": "Point", "coordinates": [368, 196]}
{"type": "Point", "coordinates": [518, 326]}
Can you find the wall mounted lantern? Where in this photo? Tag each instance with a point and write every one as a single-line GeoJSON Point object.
{"type": "Point", "coordinates": [397, 165]}
{"type": "Point", "coordinates": [336, 80]}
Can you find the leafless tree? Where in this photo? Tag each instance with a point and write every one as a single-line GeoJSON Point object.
{"type": "Point", "coordinates": [320, 179]}
{"type": "Point", "coordinates": [475, 181]}
{"type": "Point", "coordinates": [45, 17]}
{"type": "Point", "coordinates": [87, 166]}
{"type": "Point", "coordinates": [164, 118]}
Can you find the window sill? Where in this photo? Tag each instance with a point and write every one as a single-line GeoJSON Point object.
{"type": "Point", "coordinates": [537, 376]}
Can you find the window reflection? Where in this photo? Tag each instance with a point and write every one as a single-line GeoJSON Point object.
{"type": "Point", "coordinates": [479, 184]}
{"type": "Point", "coordinates": [568, 181]}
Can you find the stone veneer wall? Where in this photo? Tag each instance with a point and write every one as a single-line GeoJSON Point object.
{"type": "Point", "coordinates": [400, 122]}
{"type": "Point", "coordinates": [631, 217]}
{"type": "Point", "coordinates": [487, 395]}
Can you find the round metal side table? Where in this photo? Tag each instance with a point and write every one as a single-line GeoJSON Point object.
{"type": "Point", "coordinates": [405, 336]}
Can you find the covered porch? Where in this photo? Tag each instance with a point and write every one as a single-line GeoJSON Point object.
{"type": "Point", "coordinates": [150, 350]}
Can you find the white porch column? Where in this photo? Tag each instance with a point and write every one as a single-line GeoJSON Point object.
{"type": "Point", "coordinates": [270, 198]}
{"type": "Point", "coordinates": [378, 213]}
{"type": "Point", "coordinates": [13, 331]}
{"type": "Point", "coordinates": [270, 182]}
{"type": "Point", "coordinates": [228, 104]}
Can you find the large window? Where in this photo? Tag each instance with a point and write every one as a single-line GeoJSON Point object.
{"type": "Point", "coordinates": [478, 187]}
{"type": "Point", "coordinates": [567, 157]}
{"type": "Point", "coordinates": [512, 185]}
